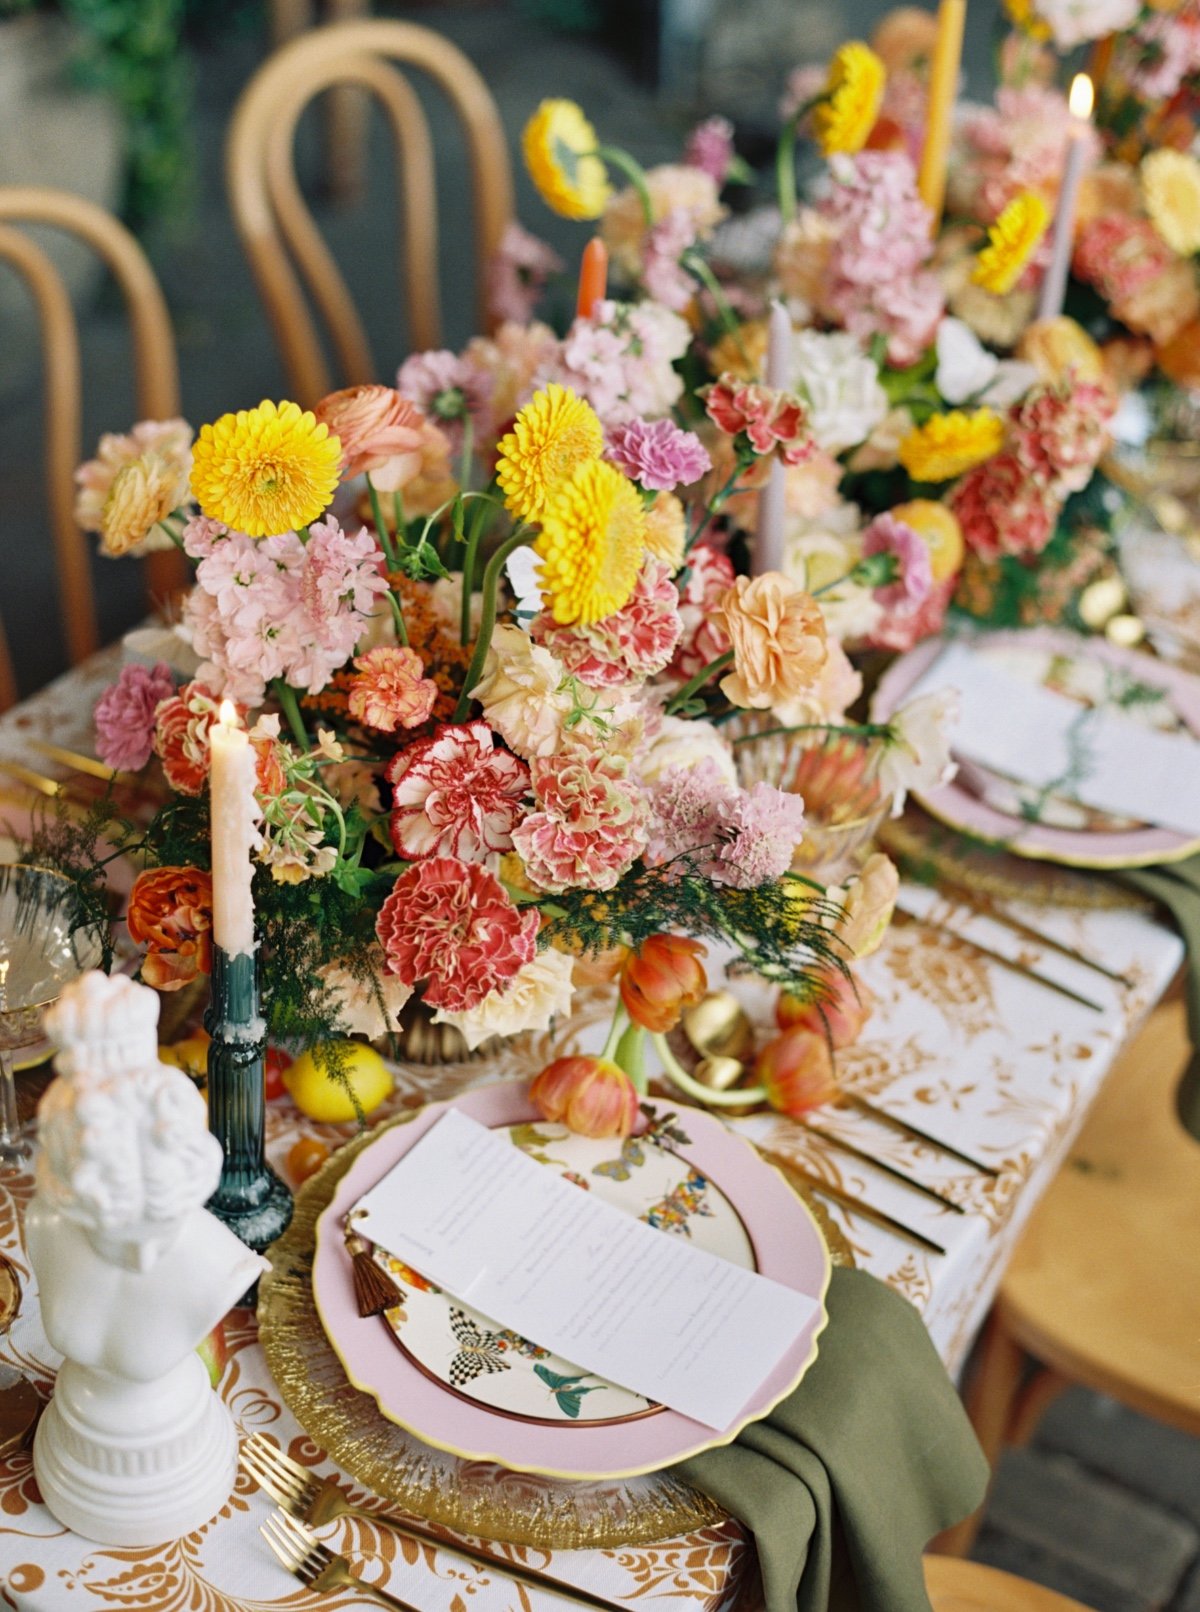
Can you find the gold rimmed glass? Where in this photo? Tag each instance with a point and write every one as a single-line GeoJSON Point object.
{"type": "Point", "coordinates": [44, 945]}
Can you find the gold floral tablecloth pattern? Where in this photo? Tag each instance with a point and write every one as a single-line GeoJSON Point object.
{"type": "Point", "coordinates": [964, 1048]}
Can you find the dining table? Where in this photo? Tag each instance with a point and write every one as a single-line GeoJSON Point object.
{"type": "Point", "coordinates": [966, 1046]}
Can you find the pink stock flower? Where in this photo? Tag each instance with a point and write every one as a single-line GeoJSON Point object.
{"type": "Point", "coordinates": [665, 278]}
{"type": "Point", "coordinates": [590, 825]}
{"type": "Point", "coordinates": [914, 578]}
{"type": "Point", "coordinates": [764, 417]}
{"type": "Point", "coordinates": [1061, 433]}
{"type": "Point", "coordinates": [1004, 509]}
{"type": "Point", "coordinates": [391, 690]}
{"type": "Point", "coordinates": [622, 360]}
{"type": "Point", "coordinates": [449, 390]}
{"type": "Point", "coordinates": [125, 716]}
{"type": "Point", "coordinates": [456, 795]}
{"type": "Point", "coordinates": [657, 453]}
{"type": "Point", "coordinates": [907, 621]}
{"type": "Point", "coordinates": [703, 638]}
{"type": "Point", "coordinates": [517, 274]}
{"type": "Point", "coordinates": [373, 424]}
{"type": "Point", "coordinates": [710, 148]}
{"type": "Point", "coordinates": [451, 924]}
{"type": "Point", "coordinates": [632, 644]}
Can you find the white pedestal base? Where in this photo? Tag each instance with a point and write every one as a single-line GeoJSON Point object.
{"type": "Point", "coordinates": [130, 1463]}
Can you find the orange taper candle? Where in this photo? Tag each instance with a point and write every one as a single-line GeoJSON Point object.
{"type": "Point", "coordinates": [593, 277]}
{"type": "Point", "coordinates": [939, 119]}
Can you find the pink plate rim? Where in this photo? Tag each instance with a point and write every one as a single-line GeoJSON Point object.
{"type": "Point", "coordinates": [955, 805]}
{"type": "Point", "coordinates": [787, 1242]}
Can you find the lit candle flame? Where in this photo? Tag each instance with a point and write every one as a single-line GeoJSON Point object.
{"type": "Point", "coordinates": [1082, 97]}
{"type": "Point", "coordinates": [228, 714]}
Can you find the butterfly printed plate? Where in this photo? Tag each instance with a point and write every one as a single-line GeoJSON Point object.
{"type": "Point", "coordinates": [448, 1375]}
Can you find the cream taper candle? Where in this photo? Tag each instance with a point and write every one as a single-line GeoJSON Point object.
{"type": "Point", "coordinates": [1054, 286]}
{"type": "Point", "coordinates": [772, 501]}
{"type": "Point", "coordinates": [234, 814]}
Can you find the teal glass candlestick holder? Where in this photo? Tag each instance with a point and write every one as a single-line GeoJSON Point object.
{"type": "Point", "coordinates": [250, 1198]}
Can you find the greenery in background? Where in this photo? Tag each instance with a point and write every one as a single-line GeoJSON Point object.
{"type": "Point", "coordinates": [131, 51]}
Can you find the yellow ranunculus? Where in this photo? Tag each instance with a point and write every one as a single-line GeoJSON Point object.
{"type": "Point", "coordinates": [1012, 241]}
{"type": "Point", "coordinates": [853, 93]}
{"type": "Point", "coordinates": [559, 145]}
{"type": "Point", "coordinates": [948, 445]}
{"type": "Point", "coordinates": [266, 470]}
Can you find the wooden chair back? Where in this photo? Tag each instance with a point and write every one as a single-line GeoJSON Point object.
{"type": "Point", "coordinates": [281, 238]}
{"type": "Point", "coordinates": [156, 384]}
{"type": "Point", "coordinates": [957, 1586]}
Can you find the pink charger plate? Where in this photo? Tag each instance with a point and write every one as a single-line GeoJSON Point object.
{"type": "Point", "coordinates": [787, 1245]}
{"type": "Point", "coordinates": [958, 807]}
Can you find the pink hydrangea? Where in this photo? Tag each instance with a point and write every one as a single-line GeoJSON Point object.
{"type": "Point", "coordinates": [517, 274]}
{"type": "Point", "coordinates": [449, 390]}
{"type": "Point", "coordinates": [710, 148]}
{"type": "Point", "coordinates": [1003, 508]}
{"type": "Point", "coordinates": [914, 579]}
{"type": "Point", "coordinates": [629, 646]}
{"type": "Point", "coordinates": [907, 622]}
{"type": "Point", "coordinates": [589, 826]}
{"type": "Point", "coordinates": [125, 716]}
{"type": "Point", "coordinates": [1013, 146]}
{"type": "Point", "coordinates": [1061, 433]}
{"type": "Point", "coordinates": [657, 453]}
{"type": "Point", "coordinates": [453, 925]}
{"type": "Point", "coordinates": [456, 794]}
{"type": "Point", "coordinates": [710, 577]}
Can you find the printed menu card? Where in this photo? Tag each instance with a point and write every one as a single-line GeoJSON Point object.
{"type": "Point", "coordinates": [646, 1310]}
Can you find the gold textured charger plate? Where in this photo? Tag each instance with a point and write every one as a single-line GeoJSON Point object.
{"type": "Point", "coordinates": [470, 1497]}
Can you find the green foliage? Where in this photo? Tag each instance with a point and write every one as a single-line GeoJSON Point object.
{"type": "Point", "coordinates": [72, 847]}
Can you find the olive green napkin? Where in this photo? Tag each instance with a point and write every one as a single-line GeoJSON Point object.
{"type": "Point", "coordinates": [1176, 886]}
{"type": "Point", "coordinates": [847, 1480]}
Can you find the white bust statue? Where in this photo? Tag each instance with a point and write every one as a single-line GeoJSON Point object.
{"type": "Point", "coordinates": [133, 1272]}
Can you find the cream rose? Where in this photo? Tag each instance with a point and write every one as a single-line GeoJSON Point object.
{"type": "Point", "coordinates": [841, 384]}
{"type": "Point", "coordinates": [538, 992]}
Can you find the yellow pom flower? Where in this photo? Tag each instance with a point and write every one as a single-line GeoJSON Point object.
{"type": "Point", "coordinates": [947, 445]}
{"type": "Point", "coordinates": [938, 529]}
{"type": "Point", "coordinates": [1022, 15]}
{"type": "Point", "coordinates": [265, 470]}
{"type": "Point", "coordinates": [558, 143]}
{"type": "Point", "coordinates": [591, 546]}
{"type": "Point", "coordinates": [551, 436]}
{"type": "Point", "coordinates": [1012, 241]}
{"type": "Point", "coordinates": [1171, 191]}
{"type": "Point", "coordinates": [853, 93]}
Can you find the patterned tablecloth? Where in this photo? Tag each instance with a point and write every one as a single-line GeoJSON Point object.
{"type": "Point", "coordinates": [966, 1049]}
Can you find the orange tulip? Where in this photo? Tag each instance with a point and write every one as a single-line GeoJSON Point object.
{"type": "Point", "coordinates": [796, 1071]}
{"type": "Point", "coordinates": [590, 1096]}
{"type": "Point", "coordinates": [839, 1009]}
{"type": "Point", "coordinates": [660, 979]}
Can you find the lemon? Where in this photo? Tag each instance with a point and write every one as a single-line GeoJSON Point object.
{"type": "Point", "coordinates": [190, 1054]}
{"type": "Point", "coordinates": [938, 529]}
{"type": "Point", "coordinates": [317, 1094]}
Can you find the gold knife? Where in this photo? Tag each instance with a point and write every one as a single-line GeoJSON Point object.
{"type": "Point", "coordinates": [1019, 926]}
{"type": "Point", "coordinates": [82, 763]}
{"type": "Point", "coordinates": [888, 1118]}
{"type": "Point", "coordinates": [881, 1164]}
{"type": "Point", "coordinates": [849, 1201]}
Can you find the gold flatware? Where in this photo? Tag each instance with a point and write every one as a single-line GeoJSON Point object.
{"type": "Point", "coordinates": [916, 1132]}
{"type": "Point", "coordinates": [38, 782]}
{"type": "Point", "coordinates": [985, 909]}
{"type": "Point", "coordinates": [1010, 963]}
{"type": "Point", "coordinates": [81, 763]}
{"type": "Point", "coordinates": [318, 1501]}
{"type": "Point", "coordinates": [848, 1201]}
{"type": "Point", "coordinates": [13, 797]}
{"type": "Point", "coordinates": [881, 1164]}
{"type": "Point", "coordinates": [316, 1566]}
{"type": "Point", "coordinates": [717, 1027]}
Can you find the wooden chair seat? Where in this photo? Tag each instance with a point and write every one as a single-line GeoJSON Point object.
{"type": "Point", "coordinates": [956, 1586]}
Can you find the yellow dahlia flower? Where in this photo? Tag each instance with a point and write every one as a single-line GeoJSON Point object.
{"type": "Point", "coordinates": [591, 545]}
{"type": "Point", "coordinates": [949, 444]}
{"type": "Point", "coordinates": [1012, 241]}
{"type": "Point", "coordinates": [551, 436]}
{"type": "Point", "coordinates": [852, 98]}
{"type": "Point", "coordinates": [1171, 191]}
{"type": "Point", "coordinates": [558, 144]}
{"type": "Point", "coordinates": [265, 470]}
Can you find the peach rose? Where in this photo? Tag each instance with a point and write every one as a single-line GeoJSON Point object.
{"type": "Point", "coordinates": [372, 423]}
{"type": "Point", "coordinates": [170, 913]}
{"type": "Point", "coordinates": [778, 637]}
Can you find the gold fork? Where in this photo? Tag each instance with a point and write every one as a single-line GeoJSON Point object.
{"type": "Point", "coordinates": [314, 1565]}
{"type": "Point", "coordinates": [318, 1501]}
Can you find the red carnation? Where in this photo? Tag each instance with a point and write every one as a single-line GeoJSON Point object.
{"type": "Point", "coordinates": [456, 795]}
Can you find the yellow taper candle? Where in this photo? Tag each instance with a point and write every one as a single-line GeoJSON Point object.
{"type": "Point", "coordinates": [234, 814]}
{"type": "Point", "coordinates": [943, 89]}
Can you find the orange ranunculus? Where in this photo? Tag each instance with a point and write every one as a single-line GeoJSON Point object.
{"type": "Point", "coordinates": [373, 424]}
{"type": "Point", "coordinates": [839, 1009]}
{"type": "Point", "coordinates": [660, 979]}
{"type": "Point", "coordinates": [590, 1096]}
{"type": "Point", "coordinates": [170, 913]}
{"type": "Point", "coordinates": [796, 1071]}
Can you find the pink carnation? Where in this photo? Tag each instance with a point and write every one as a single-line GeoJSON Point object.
{"type": "Point", "coordinates": [590, 826]}
{"type": "Point", "coordinates": [391, 690]}
{"type": "Point", "coordinates": [517, 274]}
{"type": "Point", "coordinates": [914, 579]}
{"type": "Point", "coordinates": [1061, 433]}
{"type": "Point", "coordinates": [456, 795]}
{"type": "Point", "coordinates": [731, 835]}
{"type": "Point", "coordinates": [631, 645]}
{"type": "Point", "coordinates": [907, 622]}
{"type": "Point", "coordinates": [657, 453]}
{"type": "Point", "coordinates": [1120, 255]}
{"type": "Point", "coordinates": [764, 417]}
{"type": "Point", "coordinates": [710, 577]}
{"type": "Point", "coordinates": [710, 148]}
{"type": "Point", "coordinates": [125, 716]}
{"type": "Point", "coordinates": [1004, 508]}
{"type": "Point", "coordinates": [451, 924]}
{"type": "Point", "coordinates": [758, 837]}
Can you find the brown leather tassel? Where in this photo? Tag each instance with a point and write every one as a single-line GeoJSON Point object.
{"type": "Point", "coordinates": [374, 1289]}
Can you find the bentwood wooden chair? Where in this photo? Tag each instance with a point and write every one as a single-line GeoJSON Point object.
{"type": "Point", "coordinates": [286, 251]}
{"type": "Point", "coordinates": [956, 1586]}
{"type": "Point", "coordinates": [155, 372]}
{"type": "Point", "coordinates": [1102, 1289]}
{"type": "Point", "coordinates": [345, 121]}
